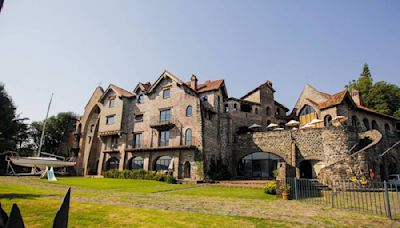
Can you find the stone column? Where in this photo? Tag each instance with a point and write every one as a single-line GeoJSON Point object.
{"type": "Point", "coordinates": [294, 158]}
{"type": "Point", "coordinates": [101, 159]}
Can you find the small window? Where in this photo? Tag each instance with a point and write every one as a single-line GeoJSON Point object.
{"type": "Point", "coordinates": [110, 120]}
{"type": "Point", "coordinates": [164, 138]}
{"type": "Point", "coordinates": [204, 98]}
{"type": "Point", "coordinates": [138, 140]}
{"type": "Point", "coordinates": [165, 115]}
{"type": "Point", "coordinates": [374, 125]}
{"type": "Point", "coordinates": [139, 118]}
{"type": "Point", "coordinates": [114, 142]}
{"type": "Point", "coordinates": [188, 137]}
{"type": "Point", "coordinates": [328, 120]}
{"type": "Point", "coordinates": [189, 111]}
{"type": "Point", "coordinates": [268, 112]}
{"type": "Point", "coordinates": [111, 102]}
{"type": "Point", "coordinates": [226, 108]}
{"type": "Point", "coordinates": [166, 93]}
{"type": "Point", "coordinates": [92, 128]}
{"type": "Point", "coordinates": [140, 99]}
{"type": "Point", "coordinates": [90, 139]}
{"type": "Point", "coordinates": [366, 123]}
{"type": "Point", "coordinates": [235, 106]}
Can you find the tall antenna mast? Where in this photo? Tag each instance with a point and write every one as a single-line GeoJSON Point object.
{"type": "Point", "coordinates": [44, 127]}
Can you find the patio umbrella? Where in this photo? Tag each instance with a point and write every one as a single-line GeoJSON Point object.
{"type": "Point", "coordinates": [255, 126]}
{"type": "Point", "coordinates": [338, 120]}
{"type": "Point", "coordinates": [306, 126]}
{"type": "Point", "coordinates": [315, 121]}
{"type": "Point", "coordinates": [278, 129]}
{"type": "Point", "coordinates": [272, 125]}
{"type": "Point", "coordinates": [295, 128]}
{"type": "Point", "coordinates": [292, 123]}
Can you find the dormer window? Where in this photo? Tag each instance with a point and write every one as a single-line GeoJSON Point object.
{"type": "Point", "coordinates": [166, 93]}
{"type": "Point", "coordinates": [140, 99]}
{"type": "Point", "coordinates": [111, 102]}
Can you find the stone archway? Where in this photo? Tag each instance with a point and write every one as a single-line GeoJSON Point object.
{"type": "Point", "coordinates": [187, 170]}
{"type": "Point", "coordinates": [306, 171]}
{"type": "Point", "coordinates": [258, 165]}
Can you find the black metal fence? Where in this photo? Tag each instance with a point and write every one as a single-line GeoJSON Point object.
{"type": "Point", "coordinates": [381, 198]}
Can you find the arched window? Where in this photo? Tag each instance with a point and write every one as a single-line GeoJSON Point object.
{"type": "Point", "coordinates": [188, 137]}
{"type": "Point", "coordinates": [375, 125]}
{"type": "Point", "coordinates": [258, 165]}
{"type": "Point", "coordinates": [162, 163]}
{"type": "Point", "coordinates": [328, 120]}
{"type": "Point", "coordinates": [189, 111]}
{"type": "Point", "coordinates": [268, 111]}
{"type": "Point", "coordinates": [112, 163]}
{"type": "Point", "coordinates": [307, 114]}
{"type": "Point", "coordinates": [136, 163]}
{"type": "Point", "coordinates": [186, 170]}
{"type": "Point", "coordinates": [387, 128]}
{"type": "Point", "coordinates": [354, 121]}
{"type": "Point", "coordinates": [366, 123]}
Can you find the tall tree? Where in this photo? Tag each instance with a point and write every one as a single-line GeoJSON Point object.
{"type": "Point", "coordinates": [56, 132]}
{"type": "Point", "coordinates": [8, 125]}
{"type": "Point", "coordinates": [382, 96]}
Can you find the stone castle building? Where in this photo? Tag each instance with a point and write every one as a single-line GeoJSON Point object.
{"type": "Point", "coordinates": [181, 127]}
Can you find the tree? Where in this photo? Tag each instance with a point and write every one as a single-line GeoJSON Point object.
{"type": "Point", "coordinates": [382, 96]}
{"type": "Point", "coordinates": [8, 125]}
{"type": "Point", "coordinates": [56, 132]}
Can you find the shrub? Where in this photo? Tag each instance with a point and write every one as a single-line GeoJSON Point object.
{"type": "Point", "coordinates": [270, 188]}
{"type": "Point", "coordinates": [284, 188]}
{"type": "Point", "coordinates": [139, 174]}
{"type": "Point", "coordinates": [218, 170]}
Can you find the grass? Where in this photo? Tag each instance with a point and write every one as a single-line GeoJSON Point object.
{"type": "Point", "coordinates": [122, 185]}
{"type": "Point", "coordinates": [223, 192]}
{"type": "Point", "coordinates": [142, 203]}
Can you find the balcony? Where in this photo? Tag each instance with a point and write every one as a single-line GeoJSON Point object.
{"type": "Point", "coordinates": [162, 124]}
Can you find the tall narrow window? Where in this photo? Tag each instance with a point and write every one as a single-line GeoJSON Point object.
{"type": "Point", "coordinates": [164, 138]}
{"type": "Point", "coordinates": [188, 137]}
{"type": "Point", "coordinates": [166, 93]}
{"type": "Point", "coordinates": [189, 111]}
{"type": "Point", "coordinates": [114, 142]}
{"type": "Point", "coordinates": [92, 128]}
{"type": "Point", "coordinates": [138, 140]}
{"type": "Point", "coordinates": [268, 112]}
{"type": "Point", "coordinates": [111, 102]}
{"type": "Point", "coordinates": [165, 115]}
{"type": "Point", "coordinates": [140, 99]}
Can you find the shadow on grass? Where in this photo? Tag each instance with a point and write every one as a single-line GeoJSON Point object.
{"type": "Point", "coordinates": [22, 196]}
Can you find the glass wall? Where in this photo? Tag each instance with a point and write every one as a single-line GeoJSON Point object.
{"type": "Point", "coordinates": [258, 165]}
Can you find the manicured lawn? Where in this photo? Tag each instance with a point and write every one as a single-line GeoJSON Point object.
{"type": "Point", "coordinates": [40, 213]}
{"type": "Point", "coordinates": [224, 192]}
{"type": "Point", "coordinates": [98, 202]}
{"type": "Point", "coordinates": [123, 185]}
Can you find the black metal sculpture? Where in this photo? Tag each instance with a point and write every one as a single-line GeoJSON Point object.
{"type": "Point", "coordinates": [15, 219]}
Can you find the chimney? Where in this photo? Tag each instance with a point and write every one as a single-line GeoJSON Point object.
{"type": "Point", "coordinates": [193, 82]}
{"type": "Point", "coordinates": [355, 94]}
{"type": "Point", "coordinates": [269, 83]}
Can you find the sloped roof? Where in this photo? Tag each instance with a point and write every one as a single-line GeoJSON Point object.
{"type": "Point", "coordinates": [373, 111]}
{"type": "Point", "coordinates": [283, 106]}
{"type": "Point", "coordinates": [121, 91]}
{"type": "Point", "coordinates": [334, 100]}
{"type": "Point", "coordinates": [209, 86]}
{"type": "Point", "coordinates": [257, 88]}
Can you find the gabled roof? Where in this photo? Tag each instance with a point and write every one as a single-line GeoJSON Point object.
{"type": "Point", "coordinates": [334, 99]}
{"type": "Point", "coordinates": [257, 88]}
{"type": "Point", "coordinates": [142, 86]}
{"type": "Point", "coordinates": [209, 86]}
{"type": "Point", "coordinates": [119, 91]}
{"type": "Point", "coordinates": [165, 74]}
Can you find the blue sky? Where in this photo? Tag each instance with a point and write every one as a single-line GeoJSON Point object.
{"type": "Point", "coordinates": [69, 47]}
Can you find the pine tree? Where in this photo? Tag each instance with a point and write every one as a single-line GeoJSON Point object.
{"type": "Point", "coordinates": [366, 72]}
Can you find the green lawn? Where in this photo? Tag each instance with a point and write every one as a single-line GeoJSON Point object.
{"type": "Point", "coordinates": [224, 192]}
{"type": "Point", "coordinates": [122, 185]}
{"type": "Point", "coordinates": [102, 202]}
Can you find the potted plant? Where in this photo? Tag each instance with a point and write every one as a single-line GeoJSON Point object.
{"type": "Point", "coordinates": [285, 190]}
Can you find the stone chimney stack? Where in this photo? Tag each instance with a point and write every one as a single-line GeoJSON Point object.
{"type": "Point", "coordinates": [355, 94]}
{"type": "Point", "coordinates": [193, 82]}
{"type": "Point", "coordinates": [269, 83]}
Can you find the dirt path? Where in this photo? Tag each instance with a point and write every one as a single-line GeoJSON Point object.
{"type": "Point", "coordinates": [282, 210]}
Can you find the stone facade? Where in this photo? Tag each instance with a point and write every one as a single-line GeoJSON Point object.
{"type": "Point", "coordinates": [180, 127]}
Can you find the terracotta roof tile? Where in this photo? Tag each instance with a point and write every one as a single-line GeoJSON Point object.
{"type": "Point", "coordinates": [208, 85]}
{"type": "Point", "coordinates": [121, 91]}
{"type": "Point", "coordinates": [333, 100]}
